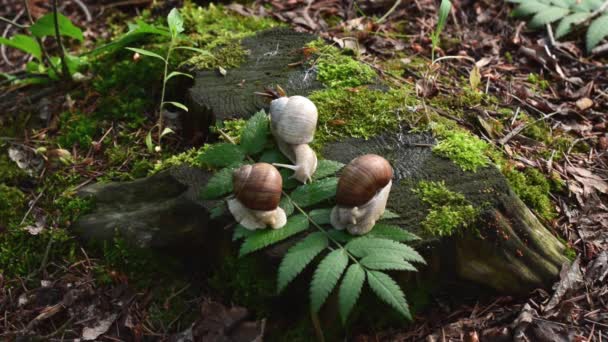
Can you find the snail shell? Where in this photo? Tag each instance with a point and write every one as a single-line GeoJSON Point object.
{"type": "Point", "coordinates": [258, 186]}
{"type": "Point", "coordinates": [293, 119]}
{"type": "Point", "coordinates": [361, 179]}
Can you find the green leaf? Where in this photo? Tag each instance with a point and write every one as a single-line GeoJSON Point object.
{"type": "Point", "coordinates": [287, 206]}
{"type": "Point", "coordinates": [217, 211]}
{"type": "Point", "coordinates": [529, 8]}
{"type": "Point", "coordinates": [175, 22]}
{"type": "Point", "coordinates": [387, 290]}
{"type": "Point", "coordinates": [177, 73]}
{"type": "Point", "coordinates": [326, 168]}
{"type": "Point", "coordinates": [364, 246]}
{"type": "Point", "coordinates": [340, 235]}
{"type": "Point", "coordinates": [299, 256]}
{"type": "Point", "coordinates": [222, 155]}
{"type": "Point", "coordinates": [273, 156]}
{"type": "Point", "coordinates": [548, 16]}
{"type": "Point", "coordinates": [320, 216]}
{"type": "Point", "coordinates": [136, 32]}
{"type": "Point", "coordinates": [146, 53]}
{"type": "Point", "coordinates": [597, 31]}
{"type": "Point", "coordinates": [565, 25]}
{"type": "Point", "coordinates": [263, 238]}
{"type": "Point", "coordinates": [219, 184]}
{"type": "Point", "coordinates": [204, 52]}
{"type": "Point", "coordinates": [350, 290]}
{"type": "Point", "coordinates": [392, 232]}
{"type": "Point", "coordinates": [24, 43]}
{"type": "Point", "coordinates": [389, 215]}
{"type": "Point", "coordinates": [176, 104]}
{"type": "Point", "coordinates": [386, 262]}
{"type": "Point", "coordinates": [149, 143]}
{"type": "Point", "coordinates": [315, 192]}
{"type": "Point", "coordinates": [255, 133]}
{"type": "Point", "coordinates": [240, 232]}
{"type": "Point", "coordinates": [45, 26]}
{"type": "Point", "coordinates": [326, 277]}
{"type": "Point", "coordinates": [444, 11]}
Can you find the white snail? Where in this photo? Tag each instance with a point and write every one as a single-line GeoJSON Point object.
{"type": "Point", "coordinates": [363, 190]}
{"type": "Point", "coordinates": [257, 192]}
{"type": "Point", "coordinates": [293, 121]}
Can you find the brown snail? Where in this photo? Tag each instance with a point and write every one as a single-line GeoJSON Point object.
{"type": "Point", "coordinates": [362, 193]}
{"type": "Point", "coordinates": [293, 121]}
{"type": "Point", "coordinates": [257, 193]}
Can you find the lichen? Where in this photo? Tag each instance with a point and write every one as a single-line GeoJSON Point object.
{"type": "Point", "coordinates": [448, 211]}
{"type": "Point", "coordinates": [464, 149]}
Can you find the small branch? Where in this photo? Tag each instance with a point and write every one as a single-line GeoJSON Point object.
{"type": "Point", "coordinates": [390, 11]}
{"type": "Point", "coordinates": [64, 65]}
{"type": "Point", "coordinates": [11, 22]}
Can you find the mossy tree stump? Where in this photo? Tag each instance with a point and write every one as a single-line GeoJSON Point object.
{"type": "Point", "coordinates": [505, 247]}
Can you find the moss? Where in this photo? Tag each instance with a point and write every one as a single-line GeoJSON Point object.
{"type": "Point", "coordinates": [214, 26]}
{"type": "Point", "coordinates": [463, 148]}
{"type": "Point", "coordinates": [449, 211]}
{"type": "Point", "coordinates": [233, 128]}
{"type": "Point", "coordinates": [533, 188]}
{"type": "Point", "coordinates": [76, 129]}
{"type": "Point", "coordinates": [230, 55]}
{"type": "Point", "coordinates": [70, 208]}
{"type": "Point", "coordinates": [538, 81]}
{"type": "Point", "coordinates": [12, 201]}
{"type": "Point", "coordinates": [570, 253]}
{"type": "Point", "coordinates": [360, 112]}
{"type": "Point", "coordinates": [190, 157]}
{"type": "Point", "coordinates": [10, 173]}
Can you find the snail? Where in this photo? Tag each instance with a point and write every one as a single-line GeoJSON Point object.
{"type": "Point", "coordinates": [293, 121]}
{"type": "Point", "coordinates": [362, 193]}
{"type": "Point", "coordinates": [257, 192]}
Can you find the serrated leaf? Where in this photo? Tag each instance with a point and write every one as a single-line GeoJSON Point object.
{"type": "Point", "coordinates": [263, 238]}
{"type": "Point", "coordinates": [176, 104]}
{"type": "Point", "coordinates": [222, 155]}
{"type": "Point", "coordinates": [389, 291]}
{"type": "Point", "coordinates": [529, 8]}
{"type": "Point", "coordinates": [240, 232]}
{"type": "Point", "coordinates": [287, 206]}
{"type": "Point", "coordinates": [273, 156]}
{"type": "Point", "coordinates": [597, 31]}
{"type": "Point", "coordinates": [392, 232]}
{"type": "Point", "coordinates": [299, 256]}
{"type": "Point", "coordinates": [326, 277]}
{"type": "Point", "coordinates": [175, 22]}
{"type": "Point", "coordinates": [320, 216]}
{"type": "Point", "coordinates": [388, 215]}
{"type": "Point", "coordinates": [24, 43]}
{"type": "Point", "coordinates": [386, 262]}
{"type": "Point", "coordinates": [146, 53]}
{"type": "Point", "coordinates": [340, 235]}
{"type": "Point", "coordinates": [350, 290]}
{"type": "Point", "coordinates": [255, 133]}
{"type": "Point", "coordinates": [565, 25]}
{"type": "Point", "coordinates": [548, 16]}
{"type": "Point", "coordinates": [315, 192]}
{"type": "Point", "coordinates": [288, 182]}
{"type": "Point", "coordinates": [218, 211]}
{"type": "Point", "coordinates": [177, 73]}
{"type": "Point", "coordinates": [364, 246]}
{"type": "Point", "coordinates": [561, 3]}
{"type": "Point", "coordinates": [219, 184]}
{"type": "Point", "coordinates": [45, 26]}
{"type": "Point", "coordinates": [326, 168]}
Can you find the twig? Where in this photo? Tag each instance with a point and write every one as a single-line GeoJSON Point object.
{"type": "Point", "coordinates": [32, 206]}
{"type": "Point", "coordinates": [64, 65]}
{"type": "Point", "coordinates": [4, 34]}
{"type": "Point", "coordinates": [84, 8]}
{"type": "Point", "coordinates": [390, 11]}
{"type": "Point", "coordinates": [13, 22]}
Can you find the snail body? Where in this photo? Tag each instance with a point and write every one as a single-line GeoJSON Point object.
{"type": "Point", "coordinates": [293, 121]}
{"type": "Point", "coordinates": [362, 194]}
{"type": "Point", "coordinates": [257, 193]}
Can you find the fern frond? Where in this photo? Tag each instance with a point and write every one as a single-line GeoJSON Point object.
{"type": "Point", "coordinates": [529, 8]}
{"type": "Point", "coordinates": [391, 232]}
{"type": "Point", "coordinates": [320, 216]}
{"type": "Point", "coordinates": [565, 25]}
{"type": "Point", "coordinates": [597, 31]}
{"type": "Point", "coordinates": [340, 235]}
{"type": "Point", "coordinates": [219, 184]}
{"type": "Point", "coordinates": [350, 290]}
{"type": "Point", "coordinates": [326, 168]}
{"type": "Point", "coordinates": [387, 290]}
{"type": "Point", "coordinates": [389, 215]}
{"type": "Point", "coordinates": [299, 256]}
{"type": "Point", "coordinates": [255, 133]}
{"type": "Point", "coordinates": [364, 246]}
{"type": "Point", "coordinates": [263, 238]}
{"type": "Point", "coordinates": [386, 262]}
{"type": "Point", "coordinates": [287, 206]}
{"type": "Point", "coordinates": [241, 232]}
{"type": "Point", "coordinates": [326, 277]}
{"type": "Point", "coordinates": [315, 192]}
{"type": "Point", "coordinates": [546, 17]}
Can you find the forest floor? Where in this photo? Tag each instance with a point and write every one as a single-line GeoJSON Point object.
{"type": "Point", "coordinates": [548, 117]}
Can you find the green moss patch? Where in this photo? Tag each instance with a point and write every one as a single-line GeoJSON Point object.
{"type": "Point", "coordinates": [533, 188]}
{"type": "Point", "coordinates": [12, 200]}
{"type": "Point", "coordinates": [463, 148]}
{"type": "Point", "coordinates": [449, 211]}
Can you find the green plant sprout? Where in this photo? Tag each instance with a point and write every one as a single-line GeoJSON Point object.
{"type": "Point", "coordinates": [570, 14]}
{"type": "Point", "coordinates": [176, 27]}
{"type": "Point", "coordinates": [444, 11]}
{"type": "Point", "coordinates": [350, 258]}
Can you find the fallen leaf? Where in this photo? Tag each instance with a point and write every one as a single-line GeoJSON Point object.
{"type": "Point", "coordinates": [99, 328]}
{"type": "Point", "coordinates": [571, 279]}
{"type": "Point", "coordinates": [584, 103]}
